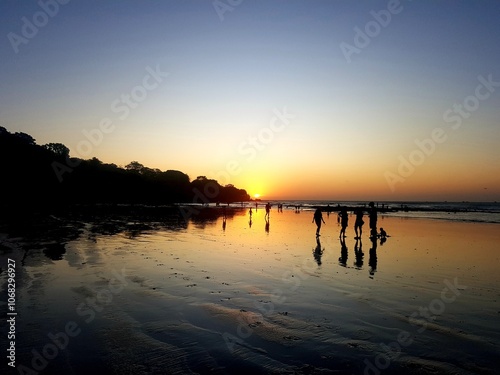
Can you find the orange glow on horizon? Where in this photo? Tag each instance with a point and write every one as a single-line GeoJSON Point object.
{"type": "Point", "coordinates": [429, 182]}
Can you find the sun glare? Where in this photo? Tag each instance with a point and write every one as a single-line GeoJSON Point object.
{"type": "Point", "coordinates": [256, 196]}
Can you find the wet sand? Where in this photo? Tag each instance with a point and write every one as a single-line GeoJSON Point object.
{"type": "Point", "coordinates": [235, 298]}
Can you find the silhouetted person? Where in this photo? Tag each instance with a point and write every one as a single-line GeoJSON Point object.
{"type": "Point", "coordinates": [358, 253]}
{"type": "Point", "coordinates": [383, 236]}
{"type": "Point", "coordinates": [250, 213]}
{"type": "Point", "coordinates": [373, 220]}
{"type": "Point", "coordinates": [318, 219]}
{"type": "Point", "coordinates": [318, 252]}
{"type": "Point", "coordinates": [344, 219]}
{"type": "Point", "coordinates": [268, 209]}
{"type": "Point", "coordinates": [358, 224]}
{"type": "Point", "coordinates": [224, 223]}
{"type": "Point", "coordinates": [343, 252]}
{"type": "Point", "coordinates": [372, 262]}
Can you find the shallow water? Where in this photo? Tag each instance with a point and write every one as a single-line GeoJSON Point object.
{"type": "Point", "coordinates": [263, 298]}
{"type": "Point", "coordinates": [483, 212]}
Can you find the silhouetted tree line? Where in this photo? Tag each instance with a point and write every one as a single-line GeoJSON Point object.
{"type": "Point", "coordinates": [46, 176]}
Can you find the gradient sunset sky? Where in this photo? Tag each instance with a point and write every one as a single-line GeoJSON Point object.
{"type": "Point", "coordinates": [340, 100]}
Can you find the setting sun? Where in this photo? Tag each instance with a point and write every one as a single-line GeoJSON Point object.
{"type": "Point", "coordinates": [256, 196]}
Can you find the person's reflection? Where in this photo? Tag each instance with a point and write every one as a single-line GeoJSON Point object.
{"type": "Point", "coordinates": [250, 222]}
{"type": "Point", "coordinates": [267, 225]}
{"type": "Point", "coordinates": [372, 262]}
{"type": "Point", "coordinates": [343, 252]}
{"type": "Point", "coordinates": [318, 252]}
{"type": "Point", "coordinates": [358, 253]}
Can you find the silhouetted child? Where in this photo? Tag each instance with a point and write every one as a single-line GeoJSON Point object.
{"type": "Point", "coordinates": [383, 233]}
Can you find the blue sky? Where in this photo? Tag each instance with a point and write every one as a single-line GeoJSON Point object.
{"type": "Point", "coordinates": [351, 120]}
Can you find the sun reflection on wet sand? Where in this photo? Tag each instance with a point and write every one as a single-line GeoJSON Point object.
{"type": "Point", "coordinates": [286, 297]}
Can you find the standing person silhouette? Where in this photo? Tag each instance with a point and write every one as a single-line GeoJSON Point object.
{"type": "Point", "coordinates": [344, 219]}
{"type": "Point", "coordinates": [318, 218]}
{"type": "Point", "coordinates": [268, 209]}
{"type": "Point", "coordinates": [373, 220]}
{"type": "Point", "coordinates": [358, 224]}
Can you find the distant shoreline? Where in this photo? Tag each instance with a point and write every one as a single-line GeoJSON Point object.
{"type": "Point", "coordinates": [461, 211]}
{"type": "Point", "coordinates": [382, 207]}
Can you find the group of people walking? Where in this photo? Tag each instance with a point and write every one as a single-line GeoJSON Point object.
{"type": "Point", "coordinates": [343, 219]}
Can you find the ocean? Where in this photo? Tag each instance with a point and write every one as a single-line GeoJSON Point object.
{"type": "Point", "coordinates": [484, 212]}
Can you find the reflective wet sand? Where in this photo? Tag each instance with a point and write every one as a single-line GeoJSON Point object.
{"type": "Point", "coordinates": [228, 296]}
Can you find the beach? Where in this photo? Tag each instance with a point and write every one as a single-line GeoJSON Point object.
{"type": "Point", "coordinates": [226, 295]}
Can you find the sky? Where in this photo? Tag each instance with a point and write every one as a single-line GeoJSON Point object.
{"type": "Point", "coordinates": [317, 99]}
